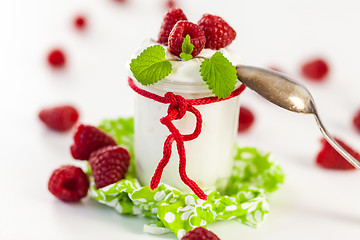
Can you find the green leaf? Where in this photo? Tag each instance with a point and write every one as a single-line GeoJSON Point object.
{"type": "Point", "coordinates": [187, 48]}
{"type": "Point", "coordinates": [185, 56]}
{"type": "Point", "coordinates": [151, 66]}
{"type": "Point", "coordinates": [219, 74]}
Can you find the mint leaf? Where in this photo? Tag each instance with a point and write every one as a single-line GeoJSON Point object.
{"type": "Point", "coordinates": [185, 56]}
{"type": "Point", "coordinates": [187, 48]}
{"type": "Point", "coordinates": [219, 74]}
{"type": "Point", "coordinates": [151, 66]}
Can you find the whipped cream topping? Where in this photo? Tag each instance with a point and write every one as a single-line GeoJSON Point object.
{"type": "Point", "coordinates": [188, 71]}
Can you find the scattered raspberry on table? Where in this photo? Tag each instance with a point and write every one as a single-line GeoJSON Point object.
{"type": "Point", "coordinates": [171, 3]}
{"type": "Point", "coordinates": [328, 157]}
{"type": "Point", "coordinates": [56, 58]}
{"type": "Point", "coordinates": [356, 121]}
{"type": "Point", "coordinates": [120, 1]}
{"type": "Point", "coordinates": [59, 118]}
{"type": "Point", "coordinates": [200, 233]}
{"type": "Point", "coordinates": [171, 18]}
{"type": "Point", "coordinates": [88, 139]}
{"type": "Point", "coordinates": [219, 33]}
{"type": "Point", "coordinates": [69, 183]}
{"type": "Point", "coordinates": [316, 69]}
{"type": "Point", "coordinates": [109, 165]}
{"type": "Point", "coordinates": [80, 22]}
{"type": "Point", "coordinates": [246, 119]}
{"type": "Point", "coordinates": [178, 34]}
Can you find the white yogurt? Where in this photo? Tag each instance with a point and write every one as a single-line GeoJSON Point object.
{"type": "Point", "coordinates": [209, 157]}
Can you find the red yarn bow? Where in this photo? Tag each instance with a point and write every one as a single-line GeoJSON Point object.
{"type": "Point", "coordinates": [176, 110]}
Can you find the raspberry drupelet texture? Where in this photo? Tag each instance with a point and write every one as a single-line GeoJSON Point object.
{"type": "Point", "coordinates": [218, 33]}
{"type": "Point", "coordinates": [69, 183]}
{"type": "Point", "coordinates": [200, 233]}
{"type": "Point", "coordinates": [109, 165]}
{"type": "Point", "coordinates": [246, 119]}
{"type": "Point", "coordinates": [328, 157]}
{"type": "Point", "coordinates": [356, 120]}
{"type": "Point", "coordinates": [171, 18]}
{"type": "Point", "coordinates": [178, 34]}
{"type": "Point", "coordinates": [88, 139]}
{"type": "Point", "coordinates": [315, 69]}
{"type": "Point", "coordinates": [59, 118]}
{"type": "Point", "coordinates": [56, 58]}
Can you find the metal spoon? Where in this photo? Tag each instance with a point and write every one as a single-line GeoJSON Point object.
{"type": "Point", "coordinates": [289, 94]}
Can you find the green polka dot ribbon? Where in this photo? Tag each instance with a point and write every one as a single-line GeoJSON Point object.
{"type": "Point", "coordinates": [254, 176]}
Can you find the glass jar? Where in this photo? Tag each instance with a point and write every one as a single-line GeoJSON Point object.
{"type": "Point", "coordinates": [209, 157]}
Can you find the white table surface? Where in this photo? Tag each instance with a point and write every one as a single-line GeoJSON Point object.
{"type": "Point", "coordinates": [312, 204]}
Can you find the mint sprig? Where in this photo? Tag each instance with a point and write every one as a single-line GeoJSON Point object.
{"type": "Point", "coordinates": [219, 74]}
{"type": "Point", "coordinates": [187, 48]}
{"type": "Point", "coordinates": [151, 66]}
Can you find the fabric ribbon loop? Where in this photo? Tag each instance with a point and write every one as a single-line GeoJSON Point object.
{"type": "Point", "coordinates": [178, 106]}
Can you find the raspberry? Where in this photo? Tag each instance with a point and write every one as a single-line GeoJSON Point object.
{"type": "Point", "coordinates": [60, 118]}
{"type": "Point", "coordinates": [200, 233]}
{"type": "Point", "coordinates": [80, 22]}
{"type": "Point", "coordinates": [56, 58]}
{"type": "Point", "coordinates": [218, 33]}
{"type": "Point", "coordinates": [171, 4]}
{"type": "Point", "coordinates": [178, 34]}
{"type": "Point", "coordinates": [356, 120]}
{"type": "Point", "coordinates": [246, 119]}
{"type": "Point", "coordinates": [88, 139]}
{"type": "Point", "coordinates": [315, 69]}
{"type": "Point", "coordinates": [69, 183]}
{"type": "Point", "coordinates": [328, 157]}
{"type": "Point", "coordinates": [109, 165]}
{"type": "Point", "coordinates": [171, 18]}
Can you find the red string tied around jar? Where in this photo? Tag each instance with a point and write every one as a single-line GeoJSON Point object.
{"type": "Point", "coordinates": [178, 107]}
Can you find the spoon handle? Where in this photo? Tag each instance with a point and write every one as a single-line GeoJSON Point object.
{"type": "Point", "coordinates": [336, 145]}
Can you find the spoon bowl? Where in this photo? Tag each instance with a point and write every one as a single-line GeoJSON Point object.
{"type": "Point", "coordinates": [289, 94]}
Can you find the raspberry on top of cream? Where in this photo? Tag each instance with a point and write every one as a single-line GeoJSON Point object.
{"type": "Point", "coordinates": [189, 53]}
